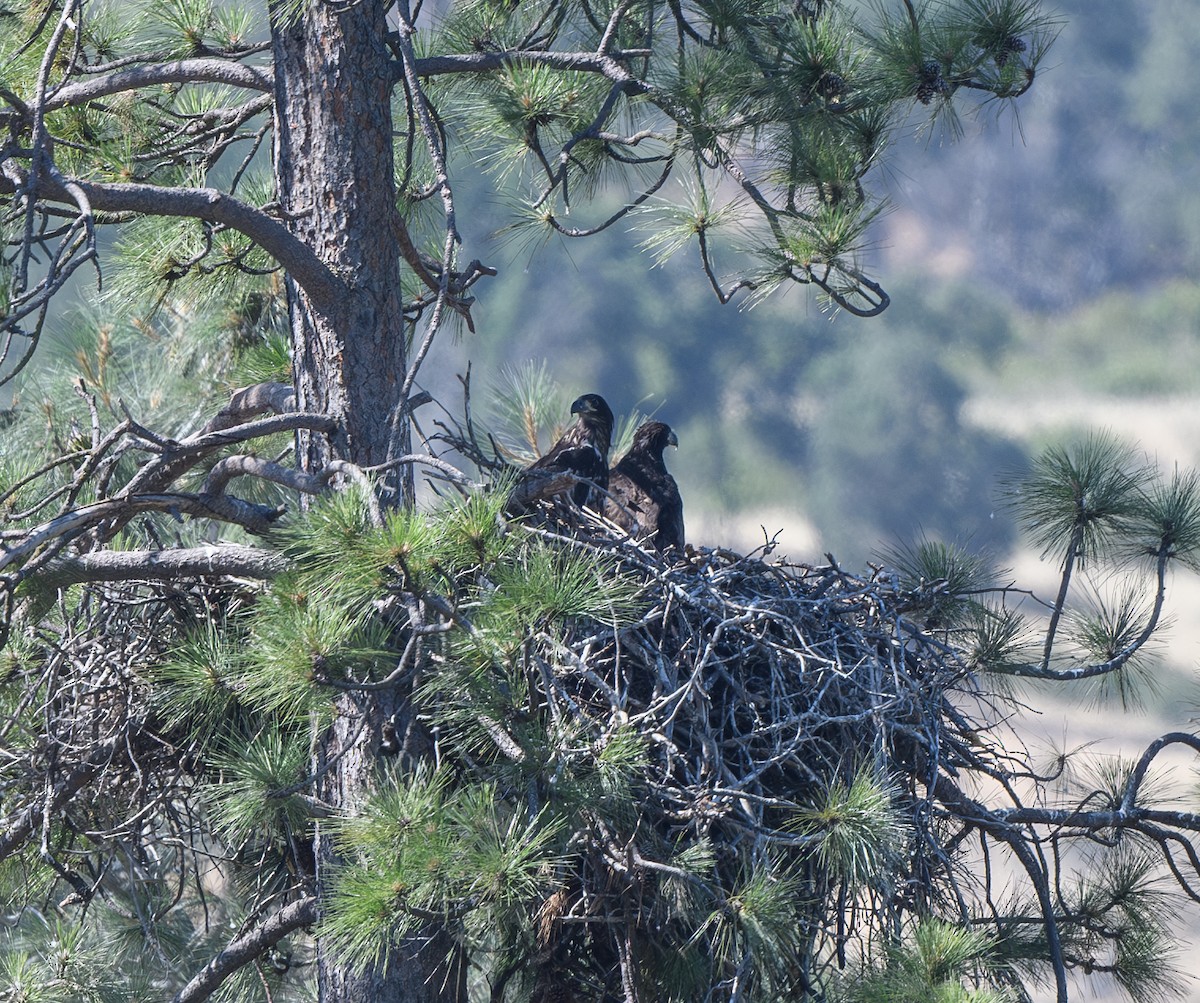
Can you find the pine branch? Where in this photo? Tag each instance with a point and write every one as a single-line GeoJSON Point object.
{"type": "Point", "coordinates": [1060, 601]}
{"type": "Point", "coordinates": [277, 398]}
{"type": "Point", "coordinates": [325, 291]}
{"type": "Point", "coordinates": [240, 952]}
{"type": "Point", "coordinates": [1119, 659]}
{"type": "Point", "coordinates": [310, 484]}
{"type": "Point", "coordinates": [61, 530]}
{"type": "Point", "coordinates": [181, 71]}
{"type": "Point", "coordinates": [486, 62]}
{"type": "Point", "coordinates": [180, 456]}
{"type": "Point", "coordinates": [977, 815]}
{"type": "Point", "coordinates": [227, 560]}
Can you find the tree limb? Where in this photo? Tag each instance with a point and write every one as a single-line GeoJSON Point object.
{"type": "Point", "coordinates": [227, 560]}
{"type": "Point", "coordinates": [246, 948]}
{"type": "Point", "coordinates": [325, 290]}
{"type": "Point", "coordinates": [976, 814]}
{"type": "Point", "coordinates": [277, 398]}
{"type": "Point", "coordinates": [485, 62]}
{"type": "Point", "coordinates": [254, 466]}
{"type": "Point", "coordinates": [69, 525]}
{"type": "Point", "coordinates": [181, 71]}
{"type": "Point", "coordinates": [180, 456]}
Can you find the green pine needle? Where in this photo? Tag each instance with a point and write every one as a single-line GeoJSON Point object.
{"type": "Point", "coordinates": [932, 964]}
{"type": "Point", "coordinates": [674, 223]}
{"type": "Point", "coordinates": [996, 639]}
{"type": "Point", "coordinates": [267, 360]}
{"type": "Point", "coordinates": [233, 27]}
{"type": "Point", "coordinates": [542, 585]}
{"type": "Point", "coordinates": [339, 552]}
{"type": "Point", "coordinates": [183, 25]}
{"type": "Point", "coordinates": [1117, 916]}
{"type": "Point", "coordinates": [756, 921]}
{"type": "Point", "coordinates": [600, 778]}
{"type": "Point", "coordinates": [856, 830]}
{"type": "Point", "coordinates": [1102, 782]}
{"type": "Point", "coordinates": [941, 951]}
{"type": "Point", "coordinates": [406, 810]}
{"type": "Point", "coordinates": [1109, 629]}
{"type": "Point", "coordinates": [1171, 512]}
{"type": "Point", "coordinates": [421, 847]}
{"type": "Point", "coordinates": [254, 794]}
{"type": "Point", "coordinates": [196, 688]}
{"type": "Point", "coordinates": [525, 407]}
{"type": "Point", "coordinates": [471, 534]}
{"type": "Point", "coordinates": [365, 916]}
{"type": "Point", "coordinates": [1147, 966]}
{"type": "Point", "coordinates": [501, 861]}
{"type": "Point", "coordinates": [297, 640]}
{"type": "Point", "coordinates": [1081, 499]}
{"type": "Point", "coordinates": [957, 574]}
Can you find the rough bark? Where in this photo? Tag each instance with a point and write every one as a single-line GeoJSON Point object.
{"type": "Point", "coordinates": [427, 967]}
{"type": "Point", "coordinates": [333, 156]}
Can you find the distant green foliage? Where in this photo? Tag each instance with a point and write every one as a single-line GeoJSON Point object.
{"type": "Point", "coordinates": [890, 456]}
{"type": "Point", "coordinates": [1128, 344]}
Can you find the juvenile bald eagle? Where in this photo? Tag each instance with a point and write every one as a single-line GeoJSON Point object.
{"type": "Point", "coordinates": [582, 451]}
{"type": "Point", "coordinates": [645, 498]}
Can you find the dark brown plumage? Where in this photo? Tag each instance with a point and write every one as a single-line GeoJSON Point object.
{"type": "Point", "coordinates": [645, 498]}
{"type": "Point", "coordinates": [582, 450]}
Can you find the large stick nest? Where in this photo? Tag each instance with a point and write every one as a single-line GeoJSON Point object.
{"type": "Point", "coordinates": [762, 690]}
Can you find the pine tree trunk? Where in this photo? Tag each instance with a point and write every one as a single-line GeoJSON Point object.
{"type": "Point", "coordinates": [334, 170]}
{"type": "Point", "coordinates": [333, 159]}
{"type": "Point", "coordinates": [427, 967]}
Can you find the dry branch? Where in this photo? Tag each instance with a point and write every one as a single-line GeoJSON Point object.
{"type": "Point", "coordinates": [247, 947]}
{"type": "Point", "coordinates": [277, 398]}
{"type": "Point", "coordinates": [227, 560]}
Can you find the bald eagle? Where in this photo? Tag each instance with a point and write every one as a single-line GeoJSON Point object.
{"type": "Point", "coordinates": [581, 451]}
{"type": "Point", "coordinates": [645, 499]}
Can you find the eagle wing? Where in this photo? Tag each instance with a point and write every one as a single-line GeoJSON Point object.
{"type": "Point", "coordinates": [645, 498]}
{"type": "Point", "coordinates": [581, 451]}
{"type": "Point", "coordinates": [580, 458]}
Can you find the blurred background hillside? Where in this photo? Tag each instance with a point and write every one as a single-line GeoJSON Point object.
{"type": "Point", "coordinates": [1042, 264]}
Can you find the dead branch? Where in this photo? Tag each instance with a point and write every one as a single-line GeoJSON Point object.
{"type": "Point", "coordinates": [277, 398]}
{"type": "Point", "coordinates": [181, 456]}
{"type": "Point", "coordinates": [224, 561]}
{"type": "Point", "coordinates": [247, 947]}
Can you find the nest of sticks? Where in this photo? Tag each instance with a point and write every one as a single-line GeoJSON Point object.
{"type": "Point", "coordinates": [761, 690]}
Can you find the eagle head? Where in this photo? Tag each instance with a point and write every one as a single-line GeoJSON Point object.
{"type": "Point", "coordinates": [654, 436]}
{"type": "Point", "coordinates": [594, 413]}
{"type": "Point", "coordinates": [591, 404]}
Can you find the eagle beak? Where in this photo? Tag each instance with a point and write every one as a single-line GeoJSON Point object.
{"type": "Point", "coordinates": [672, 439]}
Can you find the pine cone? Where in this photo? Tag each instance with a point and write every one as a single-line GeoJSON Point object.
{"type": "Point", "coordinates": [1012, 45]}
{"type": "Point", "coordinates": [831, 85]}
{"type": "Point", "coordinates": [932, 82]}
